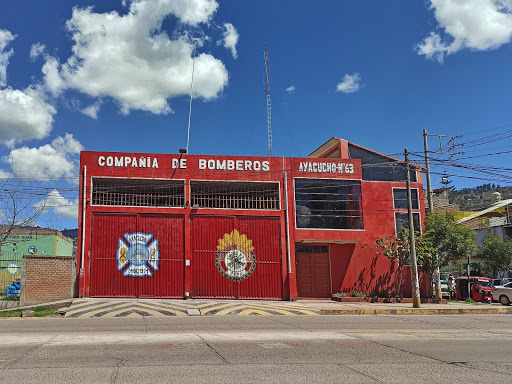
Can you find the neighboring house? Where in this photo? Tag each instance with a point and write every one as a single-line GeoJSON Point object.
{"type": "Point", "coordinates": [24, 241]}
{"type": "Point", "coordinates": [441, 202]}
{"type": "Point", "coordinates": [40, 241]}
{"type": "Point", "coordinates": [497, 218]}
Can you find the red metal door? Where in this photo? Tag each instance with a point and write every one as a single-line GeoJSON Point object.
{"type": "Point", "coordinates": [207, 282]}
{"type": "Point", "coordinates": [106, 230]}
{"type": "Point", "coordinates": [266, 281]}
{"type": "Point", "coordinates": [167, 281]}
{"type": "Point", "coordinates": [136, 256]}
{"type": "Point", "coordinates": [236, 257]}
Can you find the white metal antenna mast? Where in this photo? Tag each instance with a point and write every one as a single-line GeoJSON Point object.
{"type": "Point", "coordinates": [191, 93]}
{"type": "Point", "coordinates": [267, 91]}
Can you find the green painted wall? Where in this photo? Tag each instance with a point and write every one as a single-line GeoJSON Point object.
{"type": "Point", "coordinates": [51, 245]}
{"type": "Point", "coordinates": [64, 248]}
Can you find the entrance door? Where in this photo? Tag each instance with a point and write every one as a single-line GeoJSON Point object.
{"type": "Point", "coordinates": [235, 257]}
{"type": "Point", "coordinates": [135, 255]}
{"type": "Point", "coordinates": [313, 272]}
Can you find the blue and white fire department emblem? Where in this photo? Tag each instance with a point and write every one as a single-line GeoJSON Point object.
{"type": "Point", "coordinates": [138, 255]}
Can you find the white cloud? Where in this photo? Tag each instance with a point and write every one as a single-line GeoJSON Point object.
{"type": "Point", "coordinates": [36, 50]}
{"type": "Point", "coordinates": [5, 175]}
{"type": "Point", "coordinates": [290, 89]}
{"type": "Point", "coordinates": [67, 144]}
{"type": "Point", "coordinates": [230, 36]}
{"type": "Point", "coordinates": [131, 59]}
{"type": "Point", "coordinates": [24, 115]}
{"type": "Point", "coordinates": [92, 110]}
{"type": "Point", "coordinates": [5, 38]}
{"type": "Point", "coordinates": [50, 161]}
{"type": "Point", "coordinates": [349, 84]}
{"type": "Point", "coordinates": [474, 24]}
{"type": "Point", "coordinates": [62, 207]}
{"type": "Point", "coordinates": [53, 80]}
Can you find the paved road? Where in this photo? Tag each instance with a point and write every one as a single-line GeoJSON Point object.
{"type": "Point", "coordinates": [254, 349]}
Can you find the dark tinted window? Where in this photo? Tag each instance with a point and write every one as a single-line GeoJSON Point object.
{"type": "Point", "coordinates": [328, 204]}
{"type": "Point", "coordinates": [400, 198]}
{"type": "Point", "coordinates": [402, 221]}
{"type": "Point", "coordinates": [379, 168]}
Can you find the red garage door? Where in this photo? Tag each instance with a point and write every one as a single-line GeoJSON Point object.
{"type": "Point", "coordinates": [137, 256]}
{"type": "Point", "coordinates": [236, 258]}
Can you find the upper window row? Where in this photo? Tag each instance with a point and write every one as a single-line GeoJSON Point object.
{"type": "Point", "coordinates": [380, 168]}
{"type": "Point", "coordinates": [171, 193]}
{"type": "Point", "coordinates": [328, 204]}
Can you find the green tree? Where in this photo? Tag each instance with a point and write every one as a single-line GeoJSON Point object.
{"type": "Point", "coordinates": [397, 247]}
{"type": "Point", "coordinates": [496, 254]}
{"type": "Point", "coordinates": [451, 242]}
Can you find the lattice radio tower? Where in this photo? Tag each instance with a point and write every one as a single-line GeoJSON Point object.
{"type": "Point", "coordinates": [267, 91]}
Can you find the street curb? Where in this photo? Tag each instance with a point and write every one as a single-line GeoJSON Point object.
{"type": "Point", "coordinates": [417, 311]}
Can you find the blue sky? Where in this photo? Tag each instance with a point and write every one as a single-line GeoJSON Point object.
{"type": "Point", "coordinates": [114, 76]}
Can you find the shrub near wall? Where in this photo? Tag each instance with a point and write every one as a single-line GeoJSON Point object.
{"type": "Point", "coordinates": [47, 278]}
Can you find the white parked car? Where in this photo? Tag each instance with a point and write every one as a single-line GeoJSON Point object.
{"type": "Point", "coordinates": [502, 293]}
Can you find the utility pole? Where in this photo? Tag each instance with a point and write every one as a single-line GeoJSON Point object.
{"type": "Point", "coordinates": [412, 240]}
{"type": "Point", "coordinates": [437, 275]}
{"type": "Point", "coordinates": [449, 149]}
{"type": "Point", "coordinates": [267, 91]}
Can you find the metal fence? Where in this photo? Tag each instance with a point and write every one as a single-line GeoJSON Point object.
{"type": "Point", "coordinates": [10, 273]}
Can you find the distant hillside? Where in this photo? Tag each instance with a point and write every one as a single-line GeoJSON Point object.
{"type": "Point", "coordinates": [73, 233]}
{"type": "Point", "coordinates": [472, 199]}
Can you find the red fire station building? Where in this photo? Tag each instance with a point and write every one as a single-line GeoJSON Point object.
{"type": "Point", "coordinates": [239, 227]}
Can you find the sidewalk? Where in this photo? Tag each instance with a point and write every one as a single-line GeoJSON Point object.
{"type": "Point", "coordinates": [365, 308]}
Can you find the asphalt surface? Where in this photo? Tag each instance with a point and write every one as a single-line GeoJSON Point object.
{"type": "Point", "coordinates": [254, 349]}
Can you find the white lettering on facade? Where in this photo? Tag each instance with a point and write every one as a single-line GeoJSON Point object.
{"type": "Point", "coordinates": [317, 167]}
{"type": "Point", "coordinates": [221, 165]}
{"type": "Point", "coordinates": [127, 161]}
{"type": "Point", "coordinates": [203, 164]}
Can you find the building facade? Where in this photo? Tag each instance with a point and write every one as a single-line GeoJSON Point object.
{"type": "Point", "coordinates": [237, 227]}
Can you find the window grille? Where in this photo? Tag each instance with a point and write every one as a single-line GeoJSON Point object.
{"type": "Point", "coordinates": [234, 195]}
{"type": "Point", "coordinates": [138, 192]}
